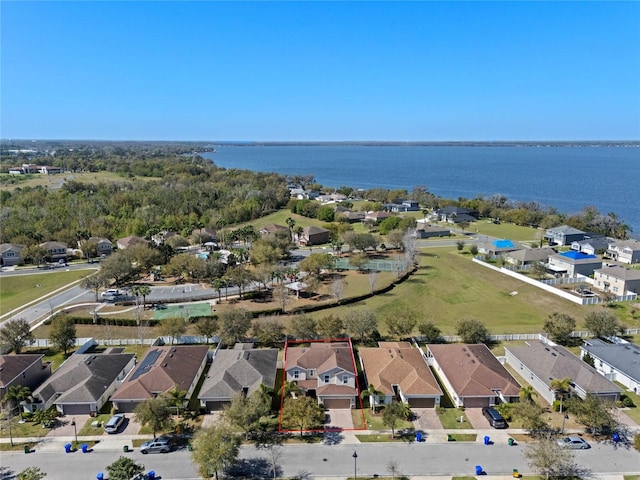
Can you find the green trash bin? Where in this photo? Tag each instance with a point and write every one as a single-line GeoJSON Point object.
{"type": "Point", "coordinates": [125, 449]}
{"type": "Point", "coordinates": [516, 474]}
{"type": "Point", "coordinates": [189, 447]}
{"type": "Point", "coordinates": [511, 442]}
{"type": "Point", "coordinates": [27, 449]}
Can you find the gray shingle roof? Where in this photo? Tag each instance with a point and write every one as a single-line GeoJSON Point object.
{"type": "Point", "coordinates": [232, 370]}
{"type": "Point", "coordinates": [556, 362]}
{"type": "Point", "coordinates": [83, 378]}
{"type": "Point", "coordinates": [623, 357]}
{"type": "Point", "coordinates": [13, 365]}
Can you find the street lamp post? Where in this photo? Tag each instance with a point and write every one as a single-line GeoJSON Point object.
{"type": "Point", "coordinates": [75, 430]}
{"type": "Point", "coordinates": [355, 465]}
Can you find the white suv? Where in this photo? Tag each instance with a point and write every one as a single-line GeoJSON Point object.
{"type": "Point", "coordinates": [113, 292]}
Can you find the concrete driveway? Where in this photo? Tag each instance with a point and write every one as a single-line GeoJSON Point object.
{"type": "Point", "coordinates": [476, 418]}
{"type": "Point", "coordinates": [338, 418]}
{"type": "Point", "coordinates": [64, 428]}
{"type": "Point", "coordinates": [426, 419]}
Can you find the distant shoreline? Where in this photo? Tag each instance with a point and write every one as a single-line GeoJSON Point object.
{"type": "Point", "coordinates": [595, 144]}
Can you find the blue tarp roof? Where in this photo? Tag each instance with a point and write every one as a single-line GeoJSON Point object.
{"type": "Point", "coordinates": [575, 255]}
{"type": "Point", "coordinates": [503, 243]}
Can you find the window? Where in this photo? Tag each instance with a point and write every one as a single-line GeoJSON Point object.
{"type": "Point", "coordinates": [345, 379]}
{"type": "Point", "coordinates": [296, 374]}
{"type": "Point", "coordinates": [312, 372]}
{"type": "Point", "coordinates": [326, 379]}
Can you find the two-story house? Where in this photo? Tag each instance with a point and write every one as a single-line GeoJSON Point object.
{"type": "Point", "coordinates": [617, 280]}
{"type": "Point", "coordinates": [563, 235]}
{"type": "Point", "coordinates": [574, 263]}
{"type": "Point", "coordinates": [10, 254]}
{"type": "Point", "coordinates": [26, 370]}
{"type": "Point", "coordinates": [55, 251]}
{"type": "Point", "coordinates": [624, 251]}
{"type": "Point", "coordinates": [324, 370]}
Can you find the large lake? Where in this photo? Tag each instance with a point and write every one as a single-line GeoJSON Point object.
{"type": "Point", "coordinates": [567, 178]}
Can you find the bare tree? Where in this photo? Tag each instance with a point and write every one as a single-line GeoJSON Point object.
{"type": "Point", "coordinates": [337, 288]}
{"type": "Point", "coordinates": [373, 275]}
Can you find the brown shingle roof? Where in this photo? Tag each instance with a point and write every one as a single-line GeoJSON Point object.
{"type": "Point", "coordinates": [473, 370]}
{"type": "Point", "coordinates": [160, 370]}
{"type": "Point", "coordinates": [396, 364]}
{"type": "Point", "coordinates": [321, 357]}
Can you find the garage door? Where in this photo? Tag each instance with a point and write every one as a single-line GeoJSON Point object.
{"type": "Point", "coordinates": [216, 406]}
{"type": "Point", "coordinates": [422, 402]}
{"type": "Point", "coordinates": [336, 403]}
{"type": "Point", "coordinates": [78, 409]}
{"type": "Point", "coordinates": [476, 402]}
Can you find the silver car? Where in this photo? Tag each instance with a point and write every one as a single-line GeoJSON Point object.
{"type": "Point", "coordinates": [576, 443]}
{"type": "Point", "coordinates": [114, 423]}
{"type": "Point", "coordinates": [157, 445]}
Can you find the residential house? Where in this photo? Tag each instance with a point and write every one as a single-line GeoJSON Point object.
{"type": "Point", "coordinates": [83, 383]}
{"type": "Point", "coordinates": [404, 206]}
{"type": "Point", "coordinates": [539, 364]}
{"type": "Point", "coordinates": [592, 245]}
{"type": "Point", "coordinates": [617, 280]}
{"type": "Point", "coordinates": [26, 370]}
{"type": "Point", "coordinates": [349, 215]}
{"type": "Point", "coordinates": [377, 217]}
{"type": "Point", "coordinates": [563, 235]}
{"type": "Point", "coordinates": [237, 371]}
{"type": "Point", "coordinates": [624, 251]}
{"type": "Point", "coordinates": [126, 242]}
{"type": "Point", "coordinates": [395, 369]}
{"type": "Point", "coordinates": [618, 362]}
{"type": "Point", "coordinates": [573, 263]}
{"type": "Point", "coordinates": [162, 369]}
{"type": "Point", "coordinates": [161, 237]}
{"type": "Point", "coordinates": [55, 251]}
{"type": "Point", "coordinates": [430, 231]}
{"type": "Point", "coordinates": [302, 194]}
{"type": "Point", "coordinates": [529, 256]}
{"type": "Point", "coordinates": [272, 229]}
{"type": "Point", "coordinates": [499, 247]}
{"type": "Point", "coordinates": [49, 170]}
{"type": "Point", "coordinates": [456, 215]}
{"type": "Point", "coordinates": [10, 254]}
{"type": "Point", "coordinates": [472, 375]}
{"type": "Point", "coordinates": [314, 236]}
{"type": "Point", "coordinates": [103, 245]}
{"type": "Point", "coordinates": [324, 370]}
{"type": "Point", "coordinates": [331, 198]}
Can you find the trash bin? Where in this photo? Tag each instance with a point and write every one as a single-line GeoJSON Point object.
{"type": "Point", "coordinates": [516, 474]}
{"type": "Point", "coordinates": [84, 447]}
{"type": "Point", "coordinates": [449, 437]}
{"type": "Point", "coordinates": [487, 440]}
{"type": "Point", "coordinates": [616, 437]}
{"type": "Point", "coordinates": [27, 449]}
{"type": "Point", "coordinates": [418, 437]}
{"type": "Point", "coordinates": [67, 448]}
{"type": "Point", "coordinates": [511, 442]}
{"type": "Point", "coordinates": [189, 447]}
{"type": "Point", "coordinates": [151, 475]}
{"type": "Point", "coordinates": [100, 476]}
{"type": "Point", "coordinates": [479, 470]}
{"type": "Point", "coordinates": [125, 449]}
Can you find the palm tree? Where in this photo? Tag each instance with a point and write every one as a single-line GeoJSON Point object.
{"type": "Point", "coordinates": [372, 393]}
{"type": "Point", "coordinates": [177, 397]}
{"type": "Point", "coordinates": [560, 388]}
{"type": "Point", "coordinates": [290, 223]}
{"type": "Point", "coordinates": [527, 393]}
{"type": "Point", "coordinates": [15, 395]}
{"type": "Point", "coordinates": [266, 393]}
{"type": "Point", "coordinates": [290, 388]}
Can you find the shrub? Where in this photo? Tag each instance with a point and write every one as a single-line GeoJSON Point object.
{"type": "Point", "coordinates": [626, 401]}
{"type": "Point", "coordinates": [636, 442]}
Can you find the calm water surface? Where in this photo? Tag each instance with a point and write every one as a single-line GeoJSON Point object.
{"type": "Point", "coordinates": [567, 178]}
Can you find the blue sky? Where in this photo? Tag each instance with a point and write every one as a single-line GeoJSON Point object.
{"type": "Point", "coordinates": [320, 71]}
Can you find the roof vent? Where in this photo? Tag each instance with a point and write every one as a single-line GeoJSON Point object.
{"type": "Point", "coordinates": [171, 354]}
{"type": "Point", "coordinates": [164, 365]}
{"type": "Point", "coordinates": [174, 350]}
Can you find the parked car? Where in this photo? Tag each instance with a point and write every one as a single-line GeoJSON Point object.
{"type": "Point", "coordinates": [494, 417]}
{"type": "Point", "coordinates": [114, 423]}
{"type": "Point", "coordinates": [576, 443]}
{"type": "Point", "coordinates": [112, 292]}
{"type": "Point", "coordinates": [157, 445]}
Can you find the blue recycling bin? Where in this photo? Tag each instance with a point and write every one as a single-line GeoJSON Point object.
{"type": "Point", "coordinates": [151, 475]}
{"type": "Point", "coordinates": [487, 440]}
{"type": "Point", "coordinates": [479, 470]}
{"type": "Point", "coordinates": [84, 447]}
{"type": "Point", "coordinates": [100, 476]}
{"type": "Point", "coordinates": [418, 437]}
{"type": "Point", "coordinates": [616, 437]}
{"type": "Point", "coordinates": [67, 448]}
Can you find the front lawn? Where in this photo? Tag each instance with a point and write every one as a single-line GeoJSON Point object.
{"type": "Point", "coordinates": [374, 422]}
{"type": "Point", "coordinates": [450, 418]}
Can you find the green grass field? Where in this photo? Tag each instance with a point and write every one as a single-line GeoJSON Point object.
{"type": "Point", "coordinates": [184, 311]}
{"type": "Point", "coordinates": [17, 290]}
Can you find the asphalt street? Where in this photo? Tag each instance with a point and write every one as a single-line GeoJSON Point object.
{"type": "Point", "coordinates": [317, 460]}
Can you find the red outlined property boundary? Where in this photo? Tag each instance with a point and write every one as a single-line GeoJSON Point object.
{"type": "Point", "coordinates": [284, 379]}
